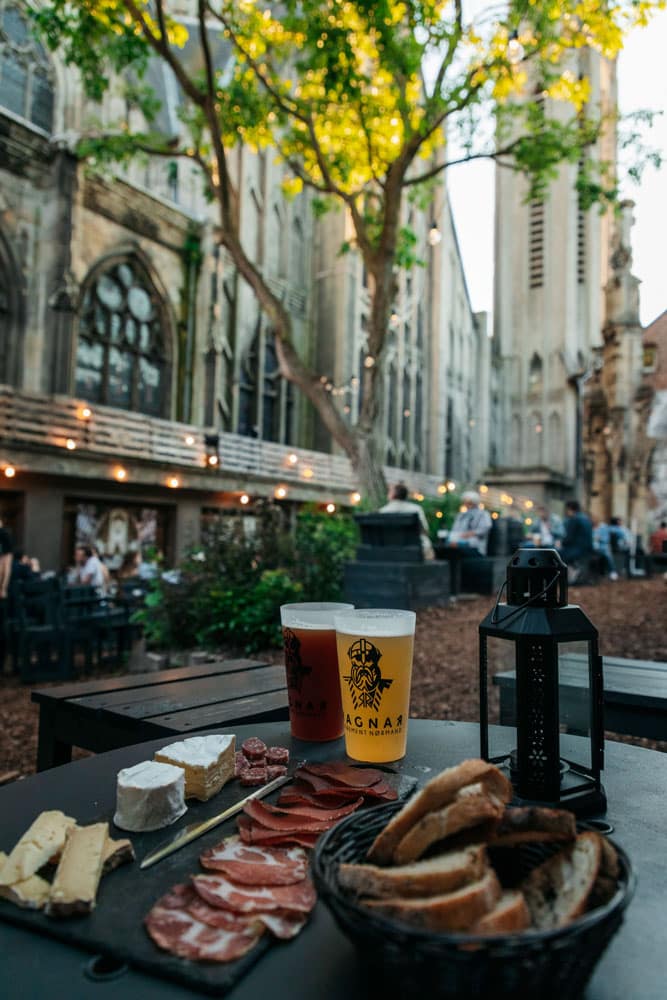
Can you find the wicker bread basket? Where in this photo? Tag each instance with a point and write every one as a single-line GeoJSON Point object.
{"type": "Point", "coordinates": [401, 961]}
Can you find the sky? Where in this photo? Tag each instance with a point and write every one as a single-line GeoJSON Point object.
{"type": "Point", "coordinates": [642, 83]}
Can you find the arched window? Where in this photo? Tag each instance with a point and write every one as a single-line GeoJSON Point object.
{"type": "Point", "coordinates": [535, 374]}
{"type": "Point", "coordinates": [264, 395]}
{"type": "Point", "coordinates": [11, 316]}
{"type": "Point", "coordinates": [123, 356]}
{"type": "Point", "coordinates": [534, 439]}
{"type": "Point", "coordinates": [555, 440]}
{"type": "Point", "coordinates": [26, 77]}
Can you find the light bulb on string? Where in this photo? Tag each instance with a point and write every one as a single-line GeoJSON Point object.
{"type": "Point", "coordinates": [515, 50]}
{"type": "Point", "coordinates": [434, 234]}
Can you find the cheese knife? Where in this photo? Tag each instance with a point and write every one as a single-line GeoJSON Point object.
{"type": "Point", "coordinates": [194, 830]}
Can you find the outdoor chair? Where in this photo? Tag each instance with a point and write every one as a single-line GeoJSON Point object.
{"type": "Point", "coordinates": [40, 643]}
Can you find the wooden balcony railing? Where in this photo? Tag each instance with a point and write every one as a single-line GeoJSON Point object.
{"type": "Point", "coordinates": [34, 421]}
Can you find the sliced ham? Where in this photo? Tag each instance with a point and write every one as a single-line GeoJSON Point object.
{"type": "Point", "coordinates": [219, 891]}
{"type": "Point", "coordinates": [320, 812]}
{"type": "Point", "coordinates": [249, 865]}
{"type": "Point", "coordinates": [285, 822]}
{"type": "Point", "coordinates": [253, 833]}
{"type": "Point", "coordinates": [174, 929]}
{"type": "Point", "coordinates": [283, 925]}
{"type": "Point", "coordinates": [343, 774]}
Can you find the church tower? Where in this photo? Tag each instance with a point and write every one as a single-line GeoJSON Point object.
{"type": "Point", "coordinates": [551, 268]}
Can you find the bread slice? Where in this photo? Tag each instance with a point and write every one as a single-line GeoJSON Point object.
{"type": "Point", "coordinates": [557, 891]}
{"type": "Point", "coordinates": [510, 914]}
{"type": "Point", "coordinates": [606, 883]}
{"type": "Point", "coordinates": [442, 873]}
{"type": "Point", "coordinates": [533, 823]}
{"type": "Point", "coordinates": [438, 792]}
{"type": "Point", "coordinates": [452, 911]}
{"type": "Point", "coordinates": [462, 814]}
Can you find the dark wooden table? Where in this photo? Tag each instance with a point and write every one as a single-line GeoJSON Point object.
{"type": "Point", "coordinates": [635, 696]}
{"type": "Point", "coordinates": [322, 964]}
{"type": "Point", "coordinates": [120, 711]}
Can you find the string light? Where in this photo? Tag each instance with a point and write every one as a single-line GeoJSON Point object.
{"type": "Point", "coordinates": [280, 492]}
{"type": "Point", "coordinates": [355, 497]}
{"type": "Point", "coordinates": [369, 361]}
{"type": "Point", "coordinates": [70, 444]}
{"type": "Point", "coordinates": [307, 473]}
{"type": "Point", "coordinates": [483, 489]}
{"type": "Point", "coordinates": [529, 520]}
{"type": "Point", "coordinates": [85, 413]}
{"type": "Point", "coordinates": [528, 504]}
{"type": "Point", "coordinates": [462, 509]}
{"type": "Point", "coordinates": [442, 488]}
{"type": "Point", "coordinates": [244, 499]}
{"type": "Point", "coordinates": [434, 234]}
{"type": "Point", "coordinates": [10, 471]}
{"type": "Point", "coordinates": [212, 460]}
{"type": "Point", "coordinates": [494, 515]}
{"type": "Point", "coordinates": [418, 496]}
{"type": "Point", "coordinates": [451, 485]}
{"type": "Point", "coordinates": [331, 508]}
{"type": "Point", "coordinates": [292, 459]}
{"type": "Point", "coordinates": [173, 482]}
{"type": "Point", "coordinates": [189, 440]}
{"type": "Point", "coordinates": [515, 50]}
{"type": "Point", "coordinates": [438, 514]}
{"type": "Point", "coordinates": [394, 318]}
{"type": "Point", "coordinates": [120, 473]}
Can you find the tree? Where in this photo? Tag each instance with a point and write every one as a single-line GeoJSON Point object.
{"type": "Point", "coordinates": [357, 98]}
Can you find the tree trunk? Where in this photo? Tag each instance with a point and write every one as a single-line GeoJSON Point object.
{"type": "Point", "coordinates": [367, 467]}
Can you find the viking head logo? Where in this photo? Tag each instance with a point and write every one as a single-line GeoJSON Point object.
{"type": "Point", "coordinates": [295, 668]}
{"type": "Point", "coordinates": [365, 678]}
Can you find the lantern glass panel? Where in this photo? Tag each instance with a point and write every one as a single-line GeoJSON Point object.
{"type": "Point", "coordinates": [574, 701]}
{"type": "Point", "coordinates": [501, 665]}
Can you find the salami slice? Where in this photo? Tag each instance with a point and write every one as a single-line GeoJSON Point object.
{"type": "Point", "coordinates": [285, 822]}
{"type": "Point", "coordinates": [241, 763]}
{"type": "Point", "coordinates": [248, 865]}
{"type": "Point", "coordinates": [219, 891]}
{"type": "Point", "coordinates": [277, 755]}
{"type": "Point", "coordinates": [275, 771]}
{"type": "Point", "coordinates": [254, 776]}
{"type": "Point", "coordinates": [254, 748]}
{"type": "Point", "coordinates": [174, 929]}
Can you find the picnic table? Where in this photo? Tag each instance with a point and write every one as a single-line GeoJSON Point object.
{"type": "Point", "coordinates": [635, 696]}
{"type": "Point", "coordinates": [321, 962]}
{"type": "Point", "coordinates": [119, 711]}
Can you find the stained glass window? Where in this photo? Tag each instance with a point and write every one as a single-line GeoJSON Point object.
{"type": "Point", "coordinates": [26, 76]}
{"type": "Point", "coordinates": [122, 357]}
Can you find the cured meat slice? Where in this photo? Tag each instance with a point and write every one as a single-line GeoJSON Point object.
{"type": "Point", "coordinates": [174, 929]}
{"type": "Point", "coordinates": [254, 776]}
{"type": "Point", "coordinates": [275, 771]}
{"type": "Point", "coordinates": [241, 763]}
{"type": "Point", "coordinates": [249, 865]}
{"type": "Point", "coordinates": [282, 925]}
{"type": "Point", "coordinates": [253, 833]}
{"type": "Point", "coordinates": [320, 787]}
{"type": "Point", "coordinates": [319, 812]}
{"type": "Point", "coordinates": [299, 794]}
{"type": "Point", "coordinates": [284, 822]}
{"type": "Point", "coordinates": [340, 773]}
{"type": "Point", "coordinates": [219, 891]}
{"type": "Point", "coordinates": [254, 748]}
{"type": "Point", "coordinates": [277, 755]}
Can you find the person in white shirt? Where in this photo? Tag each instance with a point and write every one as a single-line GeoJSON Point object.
{"type": "Point", "coordinates": [399, 504]}
{"type": "Point", "coordinates": [472, 525]}
{"type": "Point", "coordinates": [90, 568]}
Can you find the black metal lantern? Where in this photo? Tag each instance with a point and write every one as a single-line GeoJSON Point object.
{"type": "Point", "coordinates": [551, 734]}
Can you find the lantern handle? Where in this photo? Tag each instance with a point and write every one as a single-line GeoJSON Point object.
{"type": "Point", "coordinates": [521, 607]}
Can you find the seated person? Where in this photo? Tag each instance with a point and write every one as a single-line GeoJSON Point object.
{"type": "Point", "coordinates": [577, 544]}
{"type": "Point", "coordinates": [657, 538]}
{"type": "Point", "coordinates": [399, 504]}
{"type": "Point", "coordinates": [471, 526]}
{"type": "Point", "coordinates": [621, 537]}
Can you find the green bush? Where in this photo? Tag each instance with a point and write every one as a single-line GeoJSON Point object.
{"type": "Point", "coordinates": [230, 588]}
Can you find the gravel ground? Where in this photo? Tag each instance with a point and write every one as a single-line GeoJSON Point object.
{"type": "Point", "coordinates": [630, 616]}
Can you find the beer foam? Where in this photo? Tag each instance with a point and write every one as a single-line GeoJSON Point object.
{"type": "Point", "coordinates": [376, 622]}
{"type": "Point", "coordinates": [311, 614]}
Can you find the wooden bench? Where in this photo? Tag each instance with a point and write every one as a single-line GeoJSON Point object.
{"type": "Point", "coordinates": [120, 711]}
{"type": "Point", "coordinates": [635, 696]}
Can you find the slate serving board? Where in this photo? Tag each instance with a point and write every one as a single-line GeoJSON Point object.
{"type": "Point", "coordinates": [115, 928]}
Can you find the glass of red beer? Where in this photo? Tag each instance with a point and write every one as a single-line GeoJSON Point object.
{"type": "Point", "coordinates": [311, 663]}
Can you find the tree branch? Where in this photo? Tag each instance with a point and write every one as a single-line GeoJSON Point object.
{"type": "Point", "coordinates": [161, 46]}
{"type": "Point", "coordinates": [429, 174]}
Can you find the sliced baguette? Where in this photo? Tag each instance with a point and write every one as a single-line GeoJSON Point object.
{"type": "Point", "coordinates": [462, 814]}
{"type": "Point", "coordinates": [557, 891]}
{"type": "Point", "coordinates": [452, 911]}
{"type": "Point", "coordinates": [436, 794]}
{"type": "Point", "coordinates": [437, 875]}
{"type": "Point", "coordinates": [606, 883]}
{"type": "Point", "coordinates": [510, 914]}
{"type": "Point", "coordinates": [533, 823]}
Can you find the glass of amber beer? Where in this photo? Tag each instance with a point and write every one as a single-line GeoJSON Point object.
{"type": "Point", "coordinates": [309, 636]}
{"type": "Point", "coordinates": [375, 667]}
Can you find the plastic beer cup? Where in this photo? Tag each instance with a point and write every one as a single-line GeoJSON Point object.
{"type": "Point", "coordinates": [311, 663]}
{"type": "Point", "coordinates": [375, 666]}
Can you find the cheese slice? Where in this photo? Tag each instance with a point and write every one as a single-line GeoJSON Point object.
{"type": "Point", "coordinates": [31, 894]}
{"type": "Point", "coordinates": [44, 838]}
{"type": "Point", "coordinates": [74, 887]}
{"type": "Point", "coordinates": [116, 852]}
{"type": "Point", "coordinates": [208, 762]}
{"type": "Point", "coordinates": [149, 796]}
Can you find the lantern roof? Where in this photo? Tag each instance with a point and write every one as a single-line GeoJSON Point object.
{"type": "Point", "coordinates": [565, 624]}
